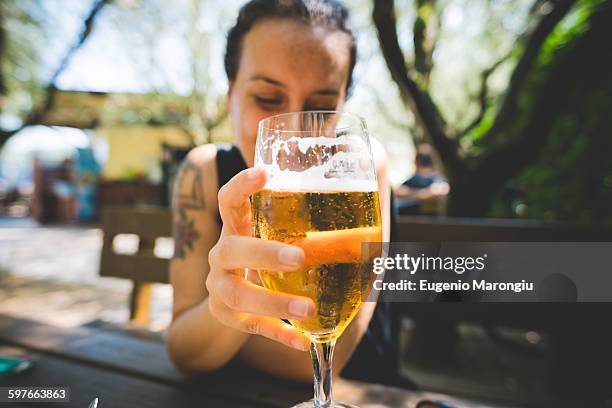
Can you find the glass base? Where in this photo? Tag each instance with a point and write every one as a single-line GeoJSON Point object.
{"type": "Point", "coordinates": [334, 404]}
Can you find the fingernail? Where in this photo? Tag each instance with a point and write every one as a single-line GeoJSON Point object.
{"type": "Point", "coordinates": [290, 256]}
{"type": "Point", "coordinates": [299, 308]}
{"type": "Point", "coordinates": [253, 173]}
{"type": "Point", "coordinates": [299, 344]}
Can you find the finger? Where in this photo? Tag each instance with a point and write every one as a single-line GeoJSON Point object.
{"type": "Point", "coordinates": [243, 296]}
{"type": "Point", "coordinates": [233, 198]}
{"type": "Point", "coordinates": [276, 330]}
{"type": "Point", "coordinates": [269, 327]}
{"type": "Point", "coordinates": [238, 252]}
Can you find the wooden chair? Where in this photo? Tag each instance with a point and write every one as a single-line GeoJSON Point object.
{"type": "Point", "coordinates": [143, 268]}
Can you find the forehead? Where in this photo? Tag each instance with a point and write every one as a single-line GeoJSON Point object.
{"type": "Point", "coordinates": [292, 50]}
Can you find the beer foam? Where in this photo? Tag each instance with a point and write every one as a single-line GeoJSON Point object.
{"type": "Point", "coordinates": [289, 181]}
{"type": "Point", "coordinates": [317, 167]}
{"type": "Point", "coordinates": [315, 179]}
{"type": "Point", "coordinates": [304, 143]}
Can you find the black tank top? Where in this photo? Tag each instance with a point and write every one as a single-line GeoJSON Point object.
{"type": "Point", "coordinates": [376, 358]}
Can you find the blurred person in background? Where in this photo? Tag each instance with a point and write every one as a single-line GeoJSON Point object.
{"type": "Point", "coordinates": [426, 191]}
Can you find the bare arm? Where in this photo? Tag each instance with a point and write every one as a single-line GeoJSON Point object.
{"type": "Point", "coordinates": [196, 340]}
{"type": "Point", "coordinates": [433, 192]}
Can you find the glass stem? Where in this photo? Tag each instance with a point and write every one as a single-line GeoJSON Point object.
{"type": "Point", "coordinates": [322, 354]}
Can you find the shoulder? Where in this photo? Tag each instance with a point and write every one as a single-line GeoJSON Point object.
{"type": "Point", "coordinates": [202, 155]}
{"type": "Point", "coordinates": [197, 176]}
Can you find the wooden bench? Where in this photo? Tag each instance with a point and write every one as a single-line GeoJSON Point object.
{"type": "Point", "coordinates": [430, 228]}
{"type": "Point", "coordinates": [143, 267]}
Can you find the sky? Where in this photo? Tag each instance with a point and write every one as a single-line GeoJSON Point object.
{"type": "Point", "coordinates": [118, 57]}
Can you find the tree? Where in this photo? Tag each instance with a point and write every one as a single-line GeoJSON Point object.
{"type": "Point", "coordinates": [504, 137]}
{"type": "Point", "coordinates": [38, 110]}
{"type": "Point", "coordinates": [2, 53]}
{"type": "Point", "coordinates": [195, 25]}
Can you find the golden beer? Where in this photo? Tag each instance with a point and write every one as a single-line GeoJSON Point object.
{"type": "Point", "coordinates": [330, 226]}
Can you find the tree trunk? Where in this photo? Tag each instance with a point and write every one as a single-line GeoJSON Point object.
{"type": "Point", "coordinates": [470, 196]}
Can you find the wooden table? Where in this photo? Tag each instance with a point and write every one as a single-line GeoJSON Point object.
{"type": "Point", "coordinates": [134, 371]}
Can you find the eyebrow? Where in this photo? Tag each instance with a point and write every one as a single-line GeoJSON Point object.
{"type": "Point", "coordinates": [326, 91]}
{"type": "Point", "coordinates": [268, 80]}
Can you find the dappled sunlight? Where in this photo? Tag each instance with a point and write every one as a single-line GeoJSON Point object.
{"type": "Point", "coordinates": [51, 275]}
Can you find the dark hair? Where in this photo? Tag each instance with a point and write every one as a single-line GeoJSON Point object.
{"type": "Point", "coordinates": [328, 13]}
{"type": "Point", "coordinates": [424, 155]}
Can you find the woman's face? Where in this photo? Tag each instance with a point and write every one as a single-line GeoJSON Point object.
{"type": "Point", "coordinates": [286, 66]}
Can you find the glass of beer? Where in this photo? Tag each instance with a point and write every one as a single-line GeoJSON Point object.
{"type": "Point", "coordinates": [321, 195]}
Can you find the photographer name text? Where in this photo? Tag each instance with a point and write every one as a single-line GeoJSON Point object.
{"type": "Point", "coordinates": [459, 285]}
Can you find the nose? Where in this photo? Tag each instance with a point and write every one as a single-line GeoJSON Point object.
{"type": "Point", "coordinates": [297, 104]}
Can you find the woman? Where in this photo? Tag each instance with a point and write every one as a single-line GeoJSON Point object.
{"type": "Point", "coordinates": [282, 56]}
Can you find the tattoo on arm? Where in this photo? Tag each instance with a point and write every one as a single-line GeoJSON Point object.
{"type": "Point", "coordinates": [188, 195]}
{"type": "Point", "coordinates": [185, 233]}
{"type": "Point", "coordinates": [189, 187]}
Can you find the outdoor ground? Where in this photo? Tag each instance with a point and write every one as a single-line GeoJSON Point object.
{"type": "Point", "coordinates": [50, 274]}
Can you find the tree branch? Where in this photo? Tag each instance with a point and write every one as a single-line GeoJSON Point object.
{"type": "Point", "coordinates": [521, 72]}
{"type": "Point", "coordinates": [483, 96]}
{"type": "Point", "coordinates": [389, 118]}
{"type": "Point", "coordinates": [384, 111]}
{"type": "Point", "coordinates": [211, 123]}
{"type": "Point", "coordinates": [509, 159]}
{"type": "Point", "coordinates": [37, 114]}
{"type": "Point", "coordinates": [3, 90]}
{"type": "Point", "coordinates": [190, 135]}
{"type": "Point", "coordinates": [424, 30]}
{"type": "Point", "coordinates": [427, 115]}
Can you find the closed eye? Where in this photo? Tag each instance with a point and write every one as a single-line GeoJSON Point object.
{"type": "Point", "coordinates": [320, 107]}
{"type": "Point", "coordinates": [322, 104]}
{"type": "Point", "coordinates": [268, 102]}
